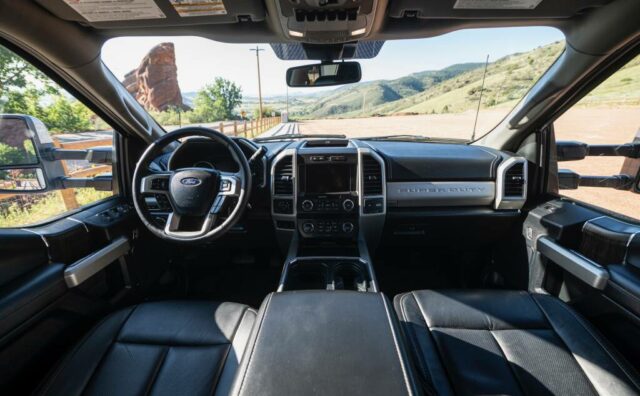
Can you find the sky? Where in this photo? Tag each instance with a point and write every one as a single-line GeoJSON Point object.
{"type": "Point", "coordinates": [200, 60]}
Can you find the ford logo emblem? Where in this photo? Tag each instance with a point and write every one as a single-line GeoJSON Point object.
{"type": "Point", "coordinates": [190, 181]}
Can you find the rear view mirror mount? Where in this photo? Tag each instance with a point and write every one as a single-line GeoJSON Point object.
{"type": "Point", "coordinates": [324, 74]}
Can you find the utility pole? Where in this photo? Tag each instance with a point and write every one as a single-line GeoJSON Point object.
{"type": "Point", "coordinates": [258, 49]}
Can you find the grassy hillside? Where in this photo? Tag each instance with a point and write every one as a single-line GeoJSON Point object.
{"type": "Point", "coordinates": [451, 90]}
{"type": "Point", "coordinates": [622, 88]}
{"type": "Point", "coordinates": [350, 98]}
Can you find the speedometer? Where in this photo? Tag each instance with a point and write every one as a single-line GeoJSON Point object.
{"type": "Point", "coordinates": [204, 164]}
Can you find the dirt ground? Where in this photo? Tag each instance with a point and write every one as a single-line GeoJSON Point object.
{"type": "Point", "coordinates": [589, 125]}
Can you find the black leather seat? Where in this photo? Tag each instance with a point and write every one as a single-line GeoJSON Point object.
{"type": "Point", "coordinates": [508, 342]}
{"type": "Point", "coordinates": [160, 348]}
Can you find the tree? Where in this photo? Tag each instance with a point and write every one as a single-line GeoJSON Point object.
{"type": "Point", "coordinates": [66, 116]}
{"type": "Point", "coordinates": [216, 102]}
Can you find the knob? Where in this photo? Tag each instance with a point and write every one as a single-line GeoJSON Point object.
{"type": "Point", "coordinates": [308, 228]}
{"type": "Point", "coordinates": [347, 227]}
{"type": "Point", "coordinates": [307, 205]}
{"type": "Point", "coordinates": [348, 205]}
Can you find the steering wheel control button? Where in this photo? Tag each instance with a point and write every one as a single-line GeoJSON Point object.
{"type": "Point", "coordinates": [348, 205]}
{"type": "Point", "coordinates": [307, 205]}
{"type": "Point", "coordinates": [161, 184]}
{"type": "Point", "coordinates": [225, 186]}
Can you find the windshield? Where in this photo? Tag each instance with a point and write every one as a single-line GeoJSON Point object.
{"type": "Point", "coordinates": [455, 86]}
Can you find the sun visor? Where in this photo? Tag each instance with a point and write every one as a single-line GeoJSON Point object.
{"type": "Point", "coordinates": [300, 51]}
{"type": "Point", "coordinates": [110, 14]}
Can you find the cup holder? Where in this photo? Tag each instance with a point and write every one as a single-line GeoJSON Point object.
{"type": "Point", "coordinates": [350, 276]}
{"type": "Point", "coordinates": [327, 275]}
{"type": "Point", "coordinates": [307, 276]}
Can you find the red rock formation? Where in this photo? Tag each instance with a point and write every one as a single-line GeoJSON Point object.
{"type": "Point", "coordinates": [155, 82]}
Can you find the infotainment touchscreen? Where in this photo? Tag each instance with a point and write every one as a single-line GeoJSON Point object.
{"type": "Point", "coordinates": [333, 178]}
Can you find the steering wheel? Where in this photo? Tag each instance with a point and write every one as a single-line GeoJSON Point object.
{"type": "Point", "coordinates": [198, 196]}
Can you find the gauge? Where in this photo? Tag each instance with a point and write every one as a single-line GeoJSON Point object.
{"type": "Point", "coordinates": [204, 164]}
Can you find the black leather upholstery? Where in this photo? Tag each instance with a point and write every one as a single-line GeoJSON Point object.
{"type": "Point", "coordinates": [160, 348]}
{"type": "Point", "coordinates": [317, 342]}
{"type": "Point", "coordinates": [508, 342]}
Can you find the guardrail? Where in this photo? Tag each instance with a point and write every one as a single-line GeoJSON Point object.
{"type": "Point", "coordinates": [247, 128]}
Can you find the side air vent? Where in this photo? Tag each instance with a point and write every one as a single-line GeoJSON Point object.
{"type": "Point", "coordinates": [511, 184]}
{"type": "Point", "coordinates": [514, 181]}
{"type": "Point", "coordinates": [371, 176]}
{"type": "Point", "coordinates": [283, 177]}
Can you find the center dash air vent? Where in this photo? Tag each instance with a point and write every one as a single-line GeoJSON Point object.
{"type": "Point", "coordinates": [371, 176]}
{"type": "Point", "coordinates": [514, 181]}
{"type": "Point", "coordinates": [283, 177]}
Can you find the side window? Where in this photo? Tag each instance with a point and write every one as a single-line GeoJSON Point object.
{"type": "Point", "coordinates": [603, 121]}
{"type": "Point", "coordinates": [55, 153]}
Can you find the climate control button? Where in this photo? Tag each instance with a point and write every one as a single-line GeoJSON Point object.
{"type": "Point", "coordinates": [347, 227]}
{"type": "Point", "coordinates": [307, 205]}
{"type": "Point", "coordinates": [348, 205]}
{"type": "Point", "coordinates": [308, 228]}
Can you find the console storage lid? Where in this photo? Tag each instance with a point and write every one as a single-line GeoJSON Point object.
{"type": "Point", "coordinates": [325, 343]}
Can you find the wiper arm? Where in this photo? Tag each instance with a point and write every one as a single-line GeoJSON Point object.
{"type": "Point", "coordinates": [299, 136]}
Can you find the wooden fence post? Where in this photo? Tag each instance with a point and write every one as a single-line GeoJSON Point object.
{"type": "Point", "coordinates": [221, 127]}
{"type": "Point", "coordinates": [68, 194]}
{"type": "Point", "coordinates": [245, 128]}
{"type": "Point", "coordinates": [235, 128]}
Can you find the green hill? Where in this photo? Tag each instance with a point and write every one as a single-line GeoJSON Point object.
{"type": "Point", "coordinates": [452, 89]}
{"type": "Point", "coordinates": [350, 98]}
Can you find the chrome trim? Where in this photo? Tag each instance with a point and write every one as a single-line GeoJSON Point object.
{"type": "Point", "coordinates": [86, 267]}
{"type": "Point", "coordinates": [501, 201]}
{"type": "Point", "coordinates": [292, 152]}
{"type": "Point", "coordinates": [366, 151]}
{"type": "Point", "coordinates": [416, 194]}
{"type": "Point", "coordinates": [573, 262]}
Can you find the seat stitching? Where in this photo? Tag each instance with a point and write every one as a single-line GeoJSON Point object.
{"type": "Point", "coordinates": [78, 348]}
{"type": "Point", "coordinates": [405, 375]}
{"type": "Point", "coordinates": [513, 372]}
{"type": "Point", "coordinates": [156, 371]}
{"type": "Point", "coordinates": [255, 342]}
{"type": "Point", "coordinates": [438, 351]}
{"type": "Point", "coordinates": [592, 334]}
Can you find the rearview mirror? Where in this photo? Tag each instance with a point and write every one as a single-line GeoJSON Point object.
{"type": "Point", "coordinates": [324, 74]}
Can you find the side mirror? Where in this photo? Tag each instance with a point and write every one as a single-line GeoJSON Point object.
{"type": "Point", "coordinates": [324, 74]}
{"type": "Point", "coordinates": [30, 162]}
{"type": "Point", "coordinates": [21, 169]}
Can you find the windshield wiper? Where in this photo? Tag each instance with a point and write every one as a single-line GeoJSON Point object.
{"type": "Point", "coordinates": [411, 138]}
{"type": "Point", "coordinates": [298, 136]}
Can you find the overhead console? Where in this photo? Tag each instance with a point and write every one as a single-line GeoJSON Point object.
{"type": "Point", "coordinates": [327, 21]}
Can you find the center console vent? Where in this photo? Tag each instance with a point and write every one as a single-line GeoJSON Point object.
{"type": "Point", "coordinates": [283, 177]}
{"type": "Point", "coordinates": [371, 176]}
{"type": "Point", "coordinates": [514, 181]}
{"type": "Point", "coordinates": [327, 143]}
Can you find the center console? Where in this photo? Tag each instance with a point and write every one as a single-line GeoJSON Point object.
{"type": "Point", "coordinates": [328, 207]}
{"type": "Point", "coordinates": [325, 343]}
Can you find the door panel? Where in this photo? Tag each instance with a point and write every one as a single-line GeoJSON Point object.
{"type": "Point", "coordinates": [592, 261]}
{"type": "Point", "coordinates": [40, 315]}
